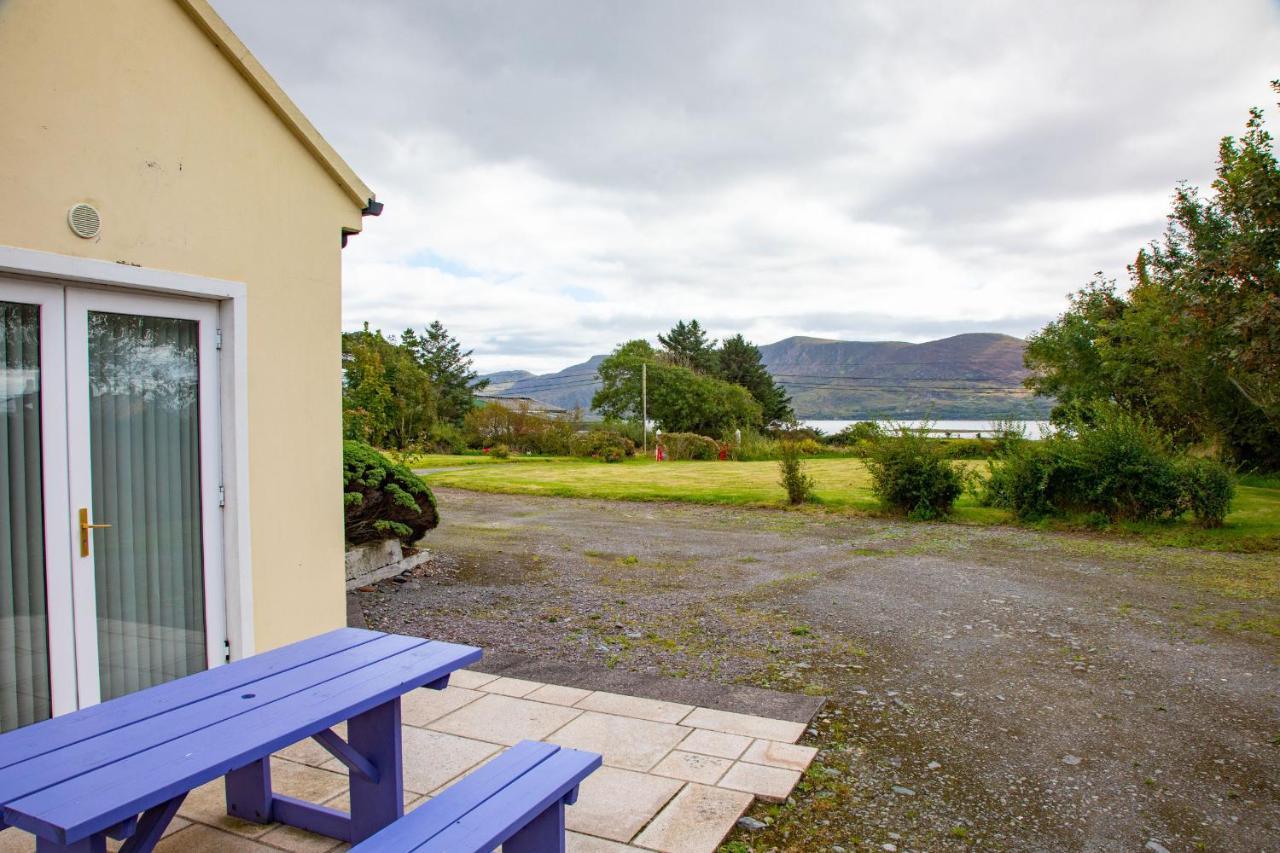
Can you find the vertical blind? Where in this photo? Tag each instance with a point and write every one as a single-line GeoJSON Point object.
{"type": "Point", "coordinates": [24, 640]}
{"type": "Point", "coordinates": [145, 454]}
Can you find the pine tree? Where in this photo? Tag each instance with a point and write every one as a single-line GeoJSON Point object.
{"type": "Point", "coordinates": [740, 363]}
{"type": "Point", "coordinates": [687, 346]}
{"type": "Point", "coordinates": [450, 370]}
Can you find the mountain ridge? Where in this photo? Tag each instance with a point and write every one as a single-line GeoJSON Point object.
{"type": "Point", "coordinates": [975, 375]}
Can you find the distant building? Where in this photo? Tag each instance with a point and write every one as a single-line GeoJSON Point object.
{"type": "Point", "coordinates": [522, 404]}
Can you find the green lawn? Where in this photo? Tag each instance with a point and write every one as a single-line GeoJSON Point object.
{"type": "Point", "coordinates": [840, 485]}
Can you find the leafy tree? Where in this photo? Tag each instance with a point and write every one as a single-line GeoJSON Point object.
{"type": "Point", "coordinates": [741, 364]}
{"type": "Point", "coordinates": [388, 400]}
{"type": "Point", "coordinates": [449, 369]}
{"type": "Point", "coordinates": [680, 399]}
{"type": "Point", "coordinates": [687, 345]}
{"type": "Point", "coordinates": [1195, 344]}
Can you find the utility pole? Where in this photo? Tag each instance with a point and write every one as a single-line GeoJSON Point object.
{"type": "Point", "coordinates": [644, 406]}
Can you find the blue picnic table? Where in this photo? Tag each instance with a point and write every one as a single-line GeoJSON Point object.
{"type": "Point", "coordinates": [122, 769]}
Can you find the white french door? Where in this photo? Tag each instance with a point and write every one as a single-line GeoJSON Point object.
{"type": "Point", "coordinates": [110, 528]}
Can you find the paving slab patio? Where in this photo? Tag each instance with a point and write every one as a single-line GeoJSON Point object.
{"type": "Point", "coordinates": [676, 777]}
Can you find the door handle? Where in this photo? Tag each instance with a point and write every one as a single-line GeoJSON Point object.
{"type": "Point", "coordinates": [85, 527]}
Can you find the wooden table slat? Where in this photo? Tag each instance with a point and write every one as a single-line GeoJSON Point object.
{"type": "Point", "coordinates": [49, 735]}
{"type": "Point", "coordinates": [76, 759]}
{"type": "Point", "coordinates": [93, 801]}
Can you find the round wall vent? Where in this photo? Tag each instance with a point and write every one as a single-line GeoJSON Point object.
{"type": "Point", "coordinates": [84, 220]}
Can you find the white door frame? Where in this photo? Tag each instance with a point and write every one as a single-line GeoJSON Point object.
{"type": "Point", "coordinates": [232, 305]}
{"type": "Point", "coordinates": [81, 301]}
{"type": "Point", "coordinates": [59, 606]}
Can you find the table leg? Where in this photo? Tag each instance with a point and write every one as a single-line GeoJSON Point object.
{"type": "Point", "coordinates": [249, 792]}
{"type": "Point", "coordinates": [375, 734]}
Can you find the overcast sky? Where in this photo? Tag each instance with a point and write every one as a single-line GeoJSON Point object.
{"type": "Point", "coordinates": [560, 176]}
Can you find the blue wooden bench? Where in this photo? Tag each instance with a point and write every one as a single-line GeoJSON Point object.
{"type": "Point", "coordinates": [121, 769]}
{"type": "Point", "coordinates": [516, 800]}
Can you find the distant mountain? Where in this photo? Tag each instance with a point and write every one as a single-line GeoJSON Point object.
{"type": "Point", "coordinates": [568, 389]}
{"type": "Point", "coordinates": [976, 376]}
{"type": "Point", "coordinates": [503, 379]}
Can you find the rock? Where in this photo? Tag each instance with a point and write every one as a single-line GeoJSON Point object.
{"type": "Point", "coordinates": [633, 635]}
{"type": "Point", "coordinates": [933, 765]}
{"type": "Point", "coordinates": [1071, 760]}
{"type": "Point", "coordinates": [893, 836]}
{"type": "Point", "coordinates": [836, 848]}
{"type": "Point", "coordinates": [906, 792]}
{"type": "Point", "coordinates": [1156, 847]}
{"type": "Point", "coordinates": [750, 823]}
{"type": "Point", "coordinates": [889, 848]}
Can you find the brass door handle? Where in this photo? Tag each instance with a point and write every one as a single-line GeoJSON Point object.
{"type": "Point", "coordinates": [85, 527]}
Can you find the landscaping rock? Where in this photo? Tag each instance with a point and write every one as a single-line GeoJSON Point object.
{"type": "Point", "coordinates": [748, 822]}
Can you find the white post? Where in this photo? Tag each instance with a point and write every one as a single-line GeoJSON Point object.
{"type": "Point", "coordinates": [644, 406]}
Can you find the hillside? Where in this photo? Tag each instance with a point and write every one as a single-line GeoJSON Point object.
{"type": "Point", "coordinates": [975, 376]}
{"type": "Point", "coordinates": [965, 376]}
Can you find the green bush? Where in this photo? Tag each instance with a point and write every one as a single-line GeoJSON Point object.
{"type": "Point", "coordinates": [383, 500]}
{"type": "Point", "coordinates": [856, 433]}
{"type": "Point", "coordinates": [798, 484]}
{"type": "Point", "coordinates": [910, 474]}
{"type": "Point", "coordinates": [500, 451]}
{"type": "Point", "coordinates": [1207, 488]}
{"type": "Point", "coordinates": [688, 445]}
{"type": "Point", "coordinates": [1029, 479]}
{"type": "Point", "coordinates": [603, 444]}
{"type": "Point", "coordinates": [1114, 467]}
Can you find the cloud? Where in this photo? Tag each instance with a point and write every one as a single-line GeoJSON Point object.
{"type": "Point", "coordinates": [561, 176]}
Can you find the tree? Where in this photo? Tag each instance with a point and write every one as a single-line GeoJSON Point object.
{"type": "Point", "coordinates": [1195, 344]}
{"type": "Point", "coordinates": [680, 399]}
{"type": "Point", "coordinates": [687, 345]}
{"type": "Point", "coordinates": [740, 363]}
{"type": "Point", "coordinates": [387, 399]}
{"type": "Point", "coordinates": [449, 369]}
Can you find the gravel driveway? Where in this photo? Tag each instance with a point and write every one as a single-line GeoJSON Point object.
{"type": "Point", "coordinates": [989, 686]}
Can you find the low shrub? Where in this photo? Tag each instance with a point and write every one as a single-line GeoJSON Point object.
{"type": "Point", "coordinates": [1113, 467]}
{"type": "Point", "coordinates": [798, 484]}
{"type": "Point", "coordinates": [967, 448]}
{"type": "Point", "coordinates": [603, 444]}
{"type": "Point", "coordinates": [521, 430]}
{"type": "Point", "coordinates": [910, 474]}
{"type": "Point", "coordinates": [383, 500]}
{"type": "Point", "coordinates": [689, 445]}
{"type": "Point", "coordinates": [1207, 488]}
{"type": "Point", "coordinates": [500, 451]}
{"type": "Point", "coordinates": [1030, 480]}
{"type": "Point", "coordinates": [856, 433]}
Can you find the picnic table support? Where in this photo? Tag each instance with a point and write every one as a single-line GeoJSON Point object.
{"type": "Point", "coordinates": [372, 752]}
{"type": "Point", "coordinates": [152, 826]}
{"type": "Point", "coordinates": [544, 834]}
{"type": "Point", "coordinates": [377, 802]}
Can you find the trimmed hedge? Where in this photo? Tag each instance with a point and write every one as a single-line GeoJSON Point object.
{"type": "Point", "coordinates": [603, 444]}
{"type": "Point", "coordinates": [383, 500]}
{"type": "Point", "coordinates": [690, 445]}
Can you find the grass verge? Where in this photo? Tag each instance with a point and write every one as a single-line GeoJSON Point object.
{"type": "Point", "coordinates": [842, 485]}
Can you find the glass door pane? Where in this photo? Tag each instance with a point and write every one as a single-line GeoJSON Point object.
{"type": "Point", "coordinates": [24, 639]}
{"type": "Point", "coordinates": [144, 444]}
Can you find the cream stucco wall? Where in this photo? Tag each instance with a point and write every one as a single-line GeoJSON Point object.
{"type": "Point", "coordinates": [127, 105]}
